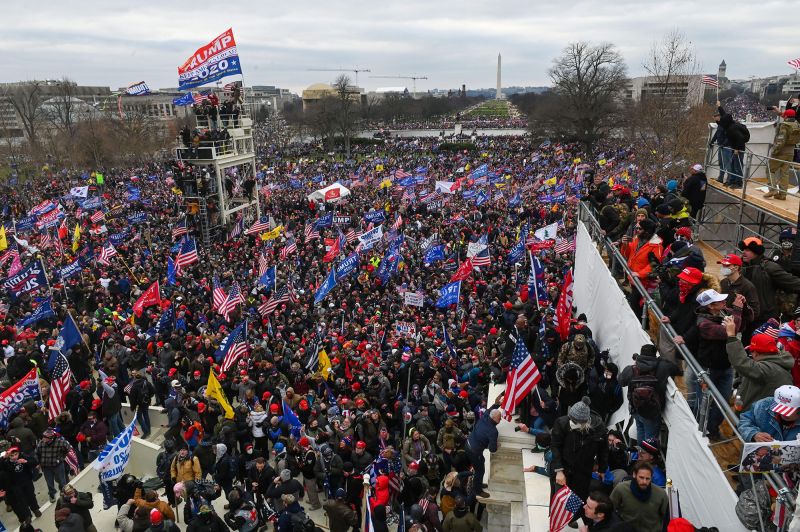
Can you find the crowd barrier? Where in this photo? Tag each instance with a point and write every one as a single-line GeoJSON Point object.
{"type": "Point", "coordinates": [706, 497]}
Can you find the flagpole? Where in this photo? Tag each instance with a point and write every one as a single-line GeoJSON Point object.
{"type": "Point", "coordinates": [128, 268]}
{"type": "Point", "coordinates": [535, 282]}
{"type": "Point", "coordinates": [365, 500]}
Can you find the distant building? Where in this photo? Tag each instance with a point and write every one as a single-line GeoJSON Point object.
{"type": "Point", "coordinates": [318, 91]}
{"type": "Point", "coordinates": [688, 89]}
{"type": "Point", "coordinates": [157, 105]}
{"type": "Point", "coordinates": [382, 92]}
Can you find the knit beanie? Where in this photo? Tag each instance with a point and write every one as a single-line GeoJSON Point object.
{"type": "Point", "coordinates": [286, 475]}
{"type": "Point", "coordinates": [580, 412]}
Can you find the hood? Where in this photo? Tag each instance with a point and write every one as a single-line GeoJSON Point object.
{"type": "Point", "coordinates": [258, 416]}
{"type": "Point", "coordinates": [725, 121]}
{"type": "Point", "coordinates": [781, 358]}
{"type": "Point", "coordinates": [646, 363]}
{"type": "Point", "coordinates": [382, 482]}
{"type": "Point", "coordinates": [17, 423]}
{"type": "Point", "coordinates": [569, 368]}
{"type": "Point", "coordinates": [379, 512]}
{"type": "Point", "coordinates": [460, 512]}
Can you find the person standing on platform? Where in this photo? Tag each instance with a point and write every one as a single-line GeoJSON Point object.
{"type": "Point", "coordinates": [786, 138]}
{"type": "Point", "coordinates": [483, 436]}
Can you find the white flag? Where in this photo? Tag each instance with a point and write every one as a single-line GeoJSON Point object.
{"type": "Point", "coordinates": [547, 232]}
{"type": "Point", "coordinates": [445, 187]}
{"type": "Point", "coordinates": [114, 457]}
{"type": "Point", "coordinates": [79, 192]}
{"type": "Point", "coordinates": [414, 298]}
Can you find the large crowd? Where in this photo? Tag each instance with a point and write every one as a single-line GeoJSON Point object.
{"type": "Point", "coordinates": [351, 388]}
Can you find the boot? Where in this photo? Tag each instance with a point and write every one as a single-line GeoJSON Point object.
{"type": "Point", "coordinates": [780, 195]}
{"type": "Point", "coordinates": [772, 193]}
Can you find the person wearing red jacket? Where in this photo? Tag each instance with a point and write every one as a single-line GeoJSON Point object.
{"type": "Point", "coordinates": [638, 250]}
{"type": "Point", "coordinates": [381, 496]}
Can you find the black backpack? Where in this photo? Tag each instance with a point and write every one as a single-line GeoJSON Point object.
{"type": "Point", "coordinates": [643, 394]}
{"type": "Point", "coordinates": [301, 522]}
{"type": "Point", "coordinates": [742, 129]}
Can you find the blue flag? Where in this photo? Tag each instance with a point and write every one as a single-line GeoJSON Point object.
{"type": "Point", "coordinates": [291, 419]}
{"type": "Point", "coordinates": [375, 217]}
{"type": "Point", "coordinates": [449, 294]}
{"type": "Point", "coordinates": [134, 194]}
{"type": "Point", "coordinates": [451, 350]}
{"type": "Point", "coordinates": [93, 203]}
{"type": "Point", "coordinates": [31, 277]}
{"type": "Point", "coordinates": [481, 198]}
{"type": "Point", "coordinates": [118, 238]}
{"type": "Point", "coordinates": [137, 217]}
{"type": "Point", "coordinates": [268, 279]}
{"type": "Point", "coordinates": [165, 323]}
{"type": "Point", "coordinates": [70, 270]}
{"type": "Point", "coordinates": [326, 287]}
{"type": "Point", "coordinates": [434, 253]}
{"type": "Point", "coordinates": [69, 337]}
{"type": "Point", "coordinates": [324, 221]}
{"type": "Point", "coordinates": [26, 223]}
{"type": "Point", "coordinates": [186, 99]}
{"type": "Point", "coordinates": [347, 266]}
{"type": "Point", "coordinates": [42, 312]}
{"type": "Point", "coordinates": [210, 62]}
{"type": "Point", "coordinates": [536, 283]}
{"type": "Point", "coordinates": [171, 271]}
{"type": "Point", "coordinates": [515, 200]}
{"type": "Point", "coordinates": [516, 252]}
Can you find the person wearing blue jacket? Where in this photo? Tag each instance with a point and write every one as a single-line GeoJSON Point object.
{"type": "Point", "coordinates": [773, 418]}
{"type": "Point", "coordinates": [483, 436]}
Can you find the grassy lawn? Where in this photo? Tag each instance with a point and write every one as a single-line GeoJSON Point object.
{"type": "Point", "coordinates": [490, 109]}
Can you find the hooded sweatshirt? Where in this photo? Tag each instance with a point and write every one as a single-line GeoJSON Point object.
{"type": "Point", "coordinates": [461, 520]}
{"type": "Point", "coordinates": [760, 377]}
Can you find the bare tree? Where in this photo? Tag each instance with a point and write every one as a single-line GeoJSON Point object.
{"type": "Point", "coordinates": [26, 99]}
{"type": "Point", "coordinates": [589, 80]}
{"type": "Point", "coordinates": [346, 112]}
{"type": "Point", "coordinates": [667, 124]}
{"type": "Point", "coordinates": [62, 109]}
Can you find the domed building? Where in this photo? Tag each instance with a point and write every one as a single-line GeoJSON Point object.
{"type": "Point", "coordinates": [316, 92]}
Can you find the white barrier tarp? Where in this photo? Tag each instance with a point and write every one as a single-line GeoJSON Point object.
{"type": "Point", "coordinates": [706, 497]}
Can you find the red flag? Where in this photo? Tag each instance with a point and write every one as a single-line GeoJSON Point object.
{"type": "Point", "coordinates": [333, 252]}
{"type": "Point", "coordinates": [63, 230]}
{"type": "Point", "coordinates": [332, 194]}
{"type": "Point", "coordinates": [151, 296]}
{"type": "Point", "coordinates": [564, 307]}
{"type": "Point", "coordinates": [463, 271]}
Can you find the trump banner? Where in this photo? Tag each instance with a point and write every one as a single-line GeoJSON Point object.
{"type": "Point", "coordinates": [114, 457]}
{"type": "Point", "coordinates": [12, 399]}
{"type": "Point", "coordinates": [770, 457]}
{"type": "Point", "coordinates": [29, 278]}
{"type": "Point", "coordinates": [139, 88]}
{"type": "Point", "coordinates": [415, 299]}
{"type": "Point", "coordinates": [211, 62]}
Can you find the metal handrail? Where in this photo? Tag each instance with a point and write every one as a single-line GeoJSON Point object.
{"type": "Point", "coordinates": [588, 216]}
{"type": "Point", "coordinates": [748, 168]}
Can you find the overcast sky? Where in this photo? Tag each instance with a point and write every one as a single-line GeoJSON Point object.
{"type": "Point", "coordinates": [451, 42]}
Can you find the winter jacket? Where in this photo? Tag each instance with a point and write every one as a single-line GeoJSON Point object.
{"type": "Point", "coordinates": [647, 516]}
{"type": "Point", "coordinates": [761, 418]}
{"type": "Point", "coordinates": [742, 286]}
{"type": "Point", "coordinates": [256, 420]}
{"type": "Point", "coordinates": [577, 452]}
{"type": "Point", "coordinates": [711, 351]}
{"type": "Point", "coordinates": [341, 518]}
{"type": "Point", "coordinates": [694, 190]}
{"type": "Point", "coordinates": [207, 523]}
{"type": "Point", "coordinates": [735, 138]}
{"type": "Point", "coordinates": [682, 315]}
{"type": "Point", "coordinates": [759, 378]}
{"type": "Point", "coordinates": [767, 276]}
{"type": "Point", "coordinates": [82, 505]}
{"type": "Point", "coordinates": [381, 495]}
{"type": "Point", "coordinates": [26, 437]}
{"type": "Point", "coordinates": [461, 520]}
{"type": "Point", "coordinates": [415, 451]}
{"type": "Point", "coordinates": [73, 523]}
{"type": "Point", "coordinates": [483, 436]}
{"type": "Point", "coordinates": [96, 435]}
{"type": "Point", "coordinates": [639, 257]}
{"type": "Point", "coordinates": [158, 504]}
{"type": "Point", "coordinates": [662, 368]}
{"type": "Point", "coordinates": [185, 470]}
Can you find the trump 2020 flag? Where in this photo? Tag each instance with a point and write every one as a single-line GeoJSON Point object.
{"type": "Point", "coordinates": [138, 88]}
{"type": "Point", "coordinates": [114, 457]}
{"type": "Point", "coordinates": [42, 312]}
{"type": "Point", "coordinates": [69, 337]}
{"type": "Point", "coordinates": [326, 287]}
{"type": "Point", "coordinates": [15, 396]}
{"type": "Point", "coordinates": [211, 62]}
{"type": "Point", "coordinates": [29, 278]}
{"type": "Point", "coordinates": [449, 294]}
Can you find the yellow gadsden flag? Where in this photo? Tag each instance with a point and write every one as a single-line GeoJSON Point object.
{"type": "Point", "coordinates": [76, 238]}
{"type": "Point", "coordinates": [214, 391]}
{"type": "Point", "coordinates": [272, 235]}
{"type": "Point", "coordinates": [325, 368]}
{"type": "Point", "coordinates": [3, 239]}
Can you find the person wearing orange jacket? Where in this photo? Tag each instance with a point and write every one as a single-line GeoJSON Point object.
{"type": "Point", "coordinates": [637, 251]}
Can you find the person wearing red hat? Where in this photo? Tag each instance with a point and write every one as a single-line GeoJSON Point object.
{"type": "Point", "coordinates": [770, 366]}
{"type": "Point", "coordinates": [734, 283]}
{"type": "Point", "coordinates": [679, 310]}
{"type": "Point", "coordinates": [308, 467]}
{"type": "Point", "coordinates": [17, 474]}
{"type": "Point", "coordinates": [780, 163]}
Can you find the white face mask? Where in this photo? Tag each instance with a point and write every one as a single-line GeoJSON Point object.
{"type": "Point", "coordinates": [724, 271]}
{"type": "Point", "coordinates": [579, 426]}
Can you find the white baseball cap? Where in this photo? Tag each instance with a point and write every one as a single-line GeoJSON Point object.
{"type": "Point", "coordinates": [176, 383]}
{"type": "Point", "coordinates": [706, 297]}
{"type": "Point", "coordinates": [787, 400]}
{"type": "Point", "coordinates": [697, 167]}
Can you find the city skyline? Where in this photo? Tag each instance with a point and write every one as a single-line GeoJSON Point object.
{"type": "Point", "coordinates": [450, 43]}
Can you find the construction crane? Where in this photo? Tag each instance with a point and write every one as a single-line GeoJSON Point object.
{"type": "Point", "coordinates": [413, 78]}
{"type": "Point", "coordinates": [354, 70]}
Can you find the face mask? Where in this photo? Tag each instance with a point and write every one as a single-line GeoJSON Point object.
{"type": "Point", "coordinates": [608, 375]}
{"type": "Point", "coordinates": [725, 271]}
{"type": "Point", "coordinates": [579, 426]}
{"type": "Point", "coordinates": [249, 451]}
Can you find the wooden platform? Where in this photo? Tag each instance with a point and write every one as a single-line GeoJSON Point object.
{"type": "Point", "coordinates": [785, 209]}
{"type": "Point", "coordinates": [712, 256]}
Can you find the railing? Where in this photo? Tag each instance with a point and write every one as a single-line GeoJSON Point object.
{"type": "Point", "coordinates": [209, 149]}
{"type": "Point", "coordinates": [224, 121]}
{"type": "Point", "coordinates": [710, 391]}
{"type": "Point", "coordinates": [750, 164]}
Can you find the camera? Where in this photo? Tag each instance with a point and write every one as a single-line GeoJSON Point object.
{"type": "Point", "coordinates": [517, 429]}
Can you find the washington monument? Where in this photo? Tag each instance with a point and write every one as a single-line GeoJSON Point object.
{"type": "Point", "coordinates": [499, 94]}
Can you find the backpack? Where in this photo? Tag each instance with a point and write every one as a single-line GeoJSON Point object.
{"type": "Point", "coordinates": [301, 522]}
{"type": "Point", "coordinates": [741, 128]}
{"type": "Point", "coordinates": [643, 394]}
{"type": "Point", "coordinates": [750, 505]}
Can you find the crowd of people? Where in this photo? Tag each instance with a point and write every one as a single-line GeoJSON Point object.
{"type": "Point", "coordinates": [346, 389]}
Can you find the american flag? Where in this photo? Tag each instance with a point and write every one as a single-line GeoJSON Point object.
{"type": "Point", "coordinates": [398, 222]}
{"type": "Point", "coordinates": [280, 295]}
{"type": "Point", "coordinates": [46, 240]}
{"type": "Point", "coordinates": [289, 248]}
{"type": "Point", "coordinates": [235, 346]}
{"type": "Point", "coordinates": [199, 97]}
{"type": "Point", "coordinates": [522, 377]}
{"type": "Point", "coordinates": [228, 87]}
{"type": "Point", "coordinates": [97, 216]}
{"type": "Point", "coordinates": [563, 507]}
{"type": "Point", "coordinates": [311, 232]}
{"type": "Point", "coordinates": [218, 295]}
{"type": "Point", "coordinates": [408, 195]}
{"type": "Point", "coordinates": [710, 80]}
{"type": "Point", "coordinates": [106, 253]}
{"type": "Point", "coordinates": [768, 328]}
{"type": "Point", "coordinates": [564, 245]}
{"type": "Point", "coordinates": [187, 255]}
{"type": "Point", "coordinates": [259, 226]}
{"type": "Point", "coordinates": [11, 253]}
{"type": "Point", "coordinates": [234, 298]}
{"type": "Point", "coordinates": [352, 235]}
{"type": "Point", "coordinates": [482, 257]}
{"type": "Point", "coordinates": [238, 228]}
{"type": "Point", "coordinates": [794, 63]}
{"type": "Point", "coordinates": [180, 229]}
{"type": "Point", "coordinates": [401, 174]}
{"type": "Point", "coordinates": [72, 461]}
{"type": "Point", "coordinates": [59, 386]}
{"type": "Point", "coordinates": [262, 264]}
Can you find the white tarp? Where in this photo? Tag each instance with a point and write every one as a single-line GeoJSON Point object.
{"type": "Point", "coordinates": [324, 194]}
{"type": "Point", "coordinates": [706, 497]}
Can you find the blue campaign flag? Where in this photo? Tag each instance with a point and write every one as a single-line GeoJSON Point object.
{"type": "Point", "coordinates": [134, 194]}
{"type": "Point", "coordinates": [327, 286]}
{"type": "Point", "coordinates": [407, 182]}
{"type": "Point", "coordinates": [118, 238]}
{"type": "Point", "coordinates": [42, 312]}
{"type": "Point", "coordinates": [93, 203]}
{"type": "Point", "coordinates": [295, 183]}
{"type": "Point", "coordinates": [469, 194]}
{"type": "Point", "coordinates": [421, 170]}
{"type": "Point", "coordinates": [481, 198]}
{"type": "Point", "coordinates": [69, 337]}
{"type": "Point", "coordinates": [480, 171]}
{"type": "Point", "coordinates": [387, 267]}
{"type": "Point", "coordinates": [268, 279]}
{"type": "Point", "coordinates": [26, 224]}
{"type": "Point", "coordinates": [317, 179]}
{"type": "Point", "coordinates": [536, 282]}
{"type": "Point", "coordinates": [291, 418]}
{"type": "Point", "coordinates": [29, 278]}
{"type": "Point", "coordinates": [347, 266]}
{"type": "Point", "coordinates": [186, 99]}
{"type": "Point", "coordinates": [516, 252]}
{"type": "Point", "coordinates": [171, 271]}
{"type": "Point", "coordinates": [324, 221]}
{"type": "Point", "coordinates": [137, 217]}
{"type": "Point", "coordinates": [375, 217]}
{"type": "Point", "coordinates": [451, 350]}
{"type": "Point", "coordinates": [211, 62]}
{"type": "Point", "coordinates": [70, 270]}
{"type": "Point", "coordinates": [420, 179]}
{"type": "Point", "coordinates": [434, 253]}
{"type": "Point", "coordinates": [165, 323]}
{"type": "Point", "coordinates": [449, 294]}
{"type": "Point", "coordinates": [515, 200]}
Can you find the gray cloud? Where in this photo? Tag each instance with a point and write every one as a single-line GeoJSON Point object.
{"type": "Point", "coordinates": [450, 42]}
